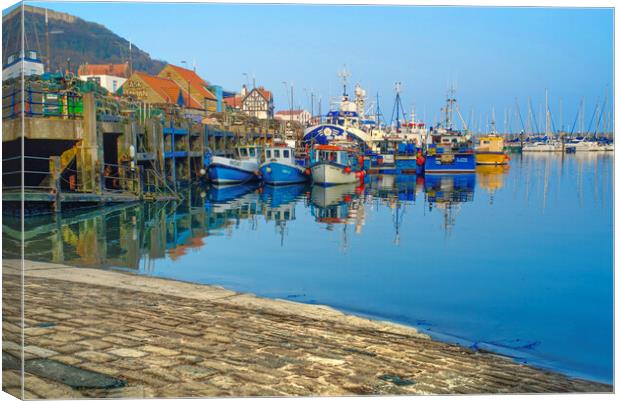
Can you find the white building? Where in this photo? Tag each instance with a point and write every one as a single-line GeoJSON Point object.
{"type": "Point", "coordinates": [300, 116]}
{"type": "Point", "coordinates": [30, 62]}
{"type": "Point", "coordinates": [108, 76]}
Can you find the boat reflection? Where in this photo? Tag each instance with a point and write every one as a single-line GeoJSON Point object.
{"type": "Point", "coordinates": [134, 236]}
{"type": "Point", "coordinates": [491, 178]}
{"type": "Point", "coordinates": [448, 192]}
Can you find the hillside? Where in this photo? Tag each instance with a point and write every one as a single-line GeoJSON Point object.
{"type": "Point", "coordinates": [71, 37]}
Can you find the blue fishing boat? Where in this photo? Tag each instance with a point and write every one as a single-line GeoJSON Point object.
{"type": "Point", "coordinates": [242, 168]}
{"type": "Point", "coordinates": [451, 151]}
{"type": "Point", "coordinates": [280, 166]}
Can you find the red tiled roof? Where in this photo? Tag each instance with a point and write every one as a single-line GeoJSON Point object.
{"type": "Point", "coordinates": [117, 70]}
{"type": "Point", "coordinates": [168, 89]}
{"type": "Point", "coordinates": [195, 82]}
{"type": "Point", "coordinates": [234, 101]}
{"type": "Point", "coordinates": [266, 94]}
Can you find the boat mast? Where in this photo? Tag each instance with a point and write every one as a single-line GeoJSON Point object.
{"type": "Point", "coordinates": [344, 75]}
{"type": "Point", "coordinates": [546, 112]}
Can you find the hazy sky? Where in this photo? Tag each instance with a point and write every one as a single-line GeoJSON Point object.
{"type": "Point", "coordinates": [492, 55]}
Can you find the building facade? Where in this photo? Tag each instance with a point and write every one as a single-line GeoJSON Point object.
{"type": "Point", "coordinates": [108, 76]}
{"type": "Point", "coordinates": [258, 103]}
{"type": "Point", "coordinates": [300, 116]}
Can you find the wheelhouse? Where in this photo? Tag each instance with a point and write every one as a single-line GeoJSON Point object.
{"type": "Point", "coordinates": [334, 154]}
{"type": "Point", "coordinates": [248, 152]}
{"type": "Point", "coordinates": [280, 153]}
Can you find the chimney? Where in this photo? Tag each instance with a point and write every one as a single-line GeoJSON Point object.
{"type": "Point", "coordinates": [244, 90]}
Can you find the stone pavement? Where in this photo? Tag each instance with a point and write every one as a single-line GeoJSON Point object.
{"type": "Point", "coordinates": [123, 335]}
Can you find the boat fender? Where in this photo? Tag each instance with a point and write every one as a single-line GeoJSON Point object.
{"type": "Point", "coordinates": [347, 198]}
{"type": "Point", "coordinates": [347, 170]}
{"type": "Point", "coordinates": [268, 169]}
{"type": "Point", "coordinates": [308, 171]}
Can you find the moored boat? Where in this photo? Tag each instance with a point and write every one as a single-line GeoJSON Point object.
{"type": "Point", "coordinates": [335, 164]}
{"type": "Point", "coordinates": [450, 150]}
{"type": "Point", "coordinates": [490, 150]}
{"type": "Point", "coordinates": [243, 168]}
{"type": "Point", "coordinates": [280, 168]}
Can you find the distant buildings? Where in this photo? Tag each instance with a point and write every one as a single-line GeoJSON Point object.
{"type": "Point", "coordinates": [256, 103]}
{"type": "Point", "coordinates": [108, 76]}
{"type": "Point", "coordinates": [29, 61]}
{"type": "Point", "coordinates": [192, 83]}
{"type": "Point", "coordinates": [300, 116]}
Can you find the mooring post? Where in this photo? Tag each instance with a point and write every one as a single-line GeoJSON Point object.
{"type": "Point", "coordinates": [56, 175]}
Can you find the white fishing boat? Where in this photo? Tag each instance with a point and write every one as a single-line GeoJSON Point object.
{"type": "Point", "coordinates": [334, 164]}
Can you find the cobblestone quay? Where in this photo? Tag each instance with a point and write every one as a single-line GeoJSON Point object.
{"type": "Point", "coordinates": [97, 333]}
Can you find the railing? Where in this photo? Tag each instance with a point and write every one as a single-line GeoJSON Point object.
{"type": "Point", "coordinates": [41, 103]}
{"type": "Point", "coordinates": [121, 178]}
{"type": "Point", "coordinates": [34, 175]}
{"type": "Point", "coordinates": [47, 174]}
{"type": "Point", "coordinates": [154, 184]}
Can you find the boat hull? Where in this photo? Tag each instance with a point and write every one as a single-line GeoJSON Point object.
{"type": "Point", "coordinates": [450, 163]}
{"type": "Point", "coordinates": [491, 158]}
{"type": "Point", "coordinates": [223, 170]}
{"type": "Point", "coordinates": [275, 173]}
{"type": "Point", "coordinates": [332, 174]}
{"type": "Point", "coordinates": [542, 148]}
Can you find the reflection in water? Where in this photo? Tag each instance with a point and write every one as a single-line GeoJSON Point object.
{"type": "Point", "coordinates": [508, 265]}
{"type": "Point", "coordinates": [130, 235]}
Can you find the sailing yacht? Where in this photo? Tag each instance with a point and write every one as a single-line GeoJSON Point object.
{"type": "Point", "coordinates": [547, 143]}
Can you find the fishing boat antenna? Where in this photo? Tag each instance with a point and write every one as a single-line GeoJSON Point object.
{"type": "Point", "coordinates": [344, 75]}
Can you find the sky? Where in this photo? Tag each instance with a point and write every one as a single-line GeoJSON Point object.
{"type": "Point", "coordinates": [493, 57]}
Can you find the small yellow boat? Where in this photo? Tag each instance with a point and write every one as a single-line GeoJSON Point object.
{"type": "Point", "coordinates": [490, 151]}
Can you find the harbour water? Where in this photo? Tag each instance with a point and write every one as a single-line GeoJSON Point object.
{"type": "Point", "coordinates": [517, 260]}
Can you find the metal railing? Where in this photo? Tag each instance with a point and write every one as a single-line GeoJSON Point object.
{"type": "Point", "coordinates": [34, 175]}
{"type": "Point", "coordinates": [41, 103]}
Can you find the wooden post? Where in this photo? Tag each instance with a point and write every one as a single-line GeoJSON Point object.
{"type": "Point", "coordinates": [56, 174]}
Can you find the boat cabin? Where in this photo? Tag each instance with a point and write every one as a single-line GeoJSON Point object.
{"type": "Point", "coordinates": [491, 143]}
{"type": "Point", "coordinates": [248, 152]}
{"type": "Point", "coordinates": [334, 154]}
{"type": "Point", "coordinates": [280, 153]}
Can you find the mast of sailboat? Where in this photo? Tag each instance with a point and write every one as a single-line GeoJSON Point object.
{"type": "Point", "coordinates": [546, 112]}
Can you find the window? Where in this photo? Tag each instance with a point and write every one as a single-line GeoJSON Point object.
{"type": "Point", "coordinates": [286, 153]}
{"type": "Point", "coordinates": [114, 85]}
{"type": "Point", "coordinates": [252, 152]}
{"type": "Point", "coordinates": [276, 153]}
{"type": "Point", "coordinates": [243, 152]}
{"type": "Point", "coordinates": [268, 154]}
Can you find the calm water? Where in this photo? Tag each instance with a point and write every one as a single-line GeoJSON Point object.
{"type": "Point", "coordinates": [517, 260]}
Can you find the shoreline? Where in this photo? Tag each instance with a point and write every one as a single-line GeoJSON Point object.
{"type": "Point", "coordinates": [447, 338]}
{"type": "Point", "coordinates": [297, 348]}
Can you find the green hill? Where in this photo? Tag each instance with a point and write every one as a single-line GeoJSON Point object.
{"type": "Point", "coordinates": [71, 38]}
